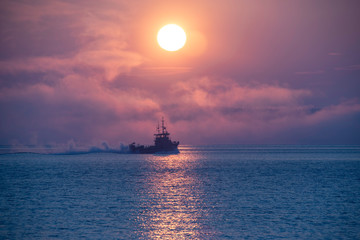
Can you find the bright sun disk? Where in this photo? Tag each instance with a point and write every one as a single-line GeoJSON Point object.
{"type": "Point", "coordinates": [171, 37]}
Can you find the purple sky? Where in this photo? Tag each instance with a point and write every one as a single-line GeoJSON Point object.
{"type": "Point", "coordinates": [251, 72]}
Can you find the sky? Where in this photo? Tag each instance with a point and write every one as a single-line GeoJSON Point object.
{"type": "Point", "coordinates": [251, 72]}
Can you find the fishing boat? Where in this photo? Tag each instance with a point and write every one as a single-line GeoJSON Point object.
{"type": "Point", "coordinates": [162, 143]}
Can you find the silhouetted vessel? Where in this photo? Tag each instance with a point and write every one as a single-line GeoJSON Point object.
{"type": "Point", "coordinates": [162, 141]}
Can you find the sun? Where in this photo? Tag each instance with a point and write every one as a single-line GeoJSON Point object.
{"type": "Point", "coordinates": [171, 37]}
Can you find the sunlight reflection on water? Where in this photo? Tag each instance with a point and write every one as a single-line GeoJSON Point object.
{"type": "Point", "coordinates": [173, 199]}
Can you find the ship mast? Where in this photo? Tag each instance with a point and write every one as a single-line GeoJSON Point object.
{"type": "Point", "coordinates": [162, 125]}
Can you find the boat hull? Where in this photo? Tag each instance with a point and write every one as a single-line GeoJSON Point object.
{"type": "Point", "coordinates": [153, 149]}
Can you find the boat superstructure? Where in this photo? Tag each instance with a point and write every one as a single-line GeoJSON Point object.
{"type": "Point", "coordinates": [162, 143]}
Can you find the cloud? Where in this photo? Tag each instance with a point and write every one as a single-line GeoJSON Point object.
{"type": "Point", "coordinates": [334, 54]}
{"type": "Point", "coordinates": [60, 113]}
{"type": "Point", "coordinates": [209, 92]}
{"type": "Point", "coordinates": [162, 71]}
{"type": "Point", "coordinates": [349, 68]}
{"type": "Point", "coordinates": [106, 63]}
{"type": "Point", "coordinates": [310, 72]}
{"type": "Point", "coordinates": [86, 72]}
{"type": "Point", "coordinates": [57, 91]}
{"type": "Point", "coordinates": [218, 110]}
{"type": "Point", "coordinates": [214, 110]}
{"type": "Point", "coordinates": [332, 111]}
{"type": "Point", "coordinates": [224, 98]}
{"type": "Point", "coordinates": [102, 49]}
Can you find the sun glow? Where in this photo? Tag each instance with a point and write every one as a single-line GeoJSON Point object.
{"type": "Point", "coordinates": [171, 37]}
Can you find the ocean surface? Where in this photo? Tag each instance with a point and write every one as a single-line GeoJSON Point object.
{"type": "Point", "coordinates": [205, 192]}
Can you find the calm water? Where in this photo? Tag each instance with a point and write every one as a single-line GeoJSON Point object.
{"type": "Point", "coordinates": [213, 192]}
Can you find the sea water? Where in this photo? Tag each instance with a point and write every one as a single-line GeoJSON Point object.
{"type": "Point", "coordinates": [208, 192]}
